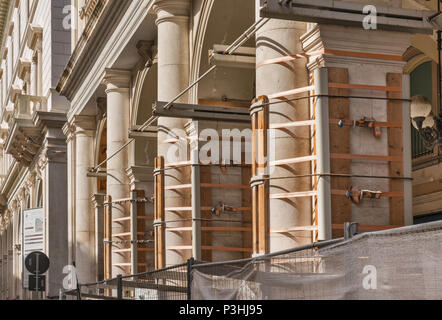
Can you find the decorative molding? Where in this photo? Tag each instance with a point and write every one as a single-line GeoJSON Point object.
{"type": "Point", "coordinates": [145, 51]}
{"type": "Point", "coordinates": [35, 35]}
{"type": "Point", "coordinates": [139, 174]}
{"type": "Point", "coordinates": [116, 79]}
{"type": "Point", "coordinates": [171, 10]}
{"type": "Point", "coordinates": [98, 200]}
{"type": "Point", "coordinates": [344, 38]}
{"type": "Point", "coordinates": [24, 67]}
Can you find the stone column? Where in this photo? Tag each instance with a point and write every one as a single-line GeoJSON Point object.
{"type": "Point", "coordinates": [281, 38]}
{"type": "Point", "coordinates": [173, 77]}
{"type": "Point", "coordinates": [84, 189]}
{"type": "Point", "coordinates": [52, 164]}
{"type": "Point", "coordinates": [118, 117]}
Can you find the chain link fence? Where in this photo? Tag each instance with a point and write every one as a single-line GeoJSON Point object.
{"type": "Point", "coordinates": [403, 263]}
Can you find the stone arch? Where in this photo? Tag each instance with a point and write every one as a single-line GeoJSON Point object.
{"type": "Point", "coordinates": [222, 22]}
{"type": "Point", "coordinates": [101, 152]}
{"type": "Point", "coordinates": [145, 94]}
{"type": "Point", "coordinates": [423, 48]}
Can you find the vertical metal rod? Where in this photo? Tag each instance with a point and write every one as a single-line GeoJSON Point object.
{"type": "Point", "coordinates": [134, 231]}
{"type": "Point", "coordinates": [119, 287]}
{"type": "Point", "coordinates": [36, 278]}
{"type": "Point", "coordinates": [78, 291]}
{"type": "Point", "coordinates": [323, 154]}
{"type": "Point", "coordinates": [190, 263]}
{"type": "Point", "coordinates": [407, 162]}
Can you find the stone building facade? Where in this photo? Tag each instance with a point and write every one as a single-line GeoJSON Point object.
{"type": "Point", "coordinates": [79, 139]}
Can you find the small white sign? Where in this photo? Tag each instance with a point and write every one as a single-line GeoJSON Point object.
{"type": "Point", "coordinates": [33, 236]}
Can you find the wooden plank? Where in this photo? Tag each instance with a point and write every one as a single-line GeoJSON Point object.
{"type": "Point", "coordinates": [246, 196]}
{"type": "Point", "coordinates": [339, 108]}
{"type": "Point", "coordinates": [395, 147]}
{"type": "Point", "coordinates": [211, 248]}
{"type": "Point", "coordinates": [159, 214]}
{"type": "Point", "coordinates": [288, 93]}
{"type": "Point", "coordinates": [348, 156]}
{"type": "Point", "coordinates": [141, 228]}
{"type": "Point", "coordinates": [337, 85]}
{"type": "Point", "coordinates": [295, 229]}
{"type": "Point", "coordinates": [293, 160]}
{"type": "Point", "coordinates": [288, 195]}
{"type": "Point", "coordinates": [241, 229]}
{"type": "Point", "coordinates": [219, 103]}
{"type": "Point", "coordinates": [206, 201]}
{"type": "Point", "coordinates": [292, 124]}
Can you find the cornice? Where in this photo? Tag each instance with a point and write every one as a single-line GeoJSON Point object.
{"type": "Point", "coordinates": [103, 53]}
{"type": "Point", "coordinates": [6, 8]}
{"type": "Point", "coordinates": [105, 16]}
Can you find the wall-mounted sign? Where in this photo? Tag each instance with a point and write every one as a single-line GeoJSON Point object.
{"type": "Point", "coordinates": [33, 236]}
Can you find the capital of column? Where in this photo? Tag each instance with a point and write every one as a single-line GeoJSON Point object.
{"type": "Point", "coordinates": [84, 124]}
{"type": "Point", "coordinates": [116, 80]}
{"type": "Point", "coordinates": [98, 200]}
{"type": "Point", "coordinates": [69, 131]}
{"type": "Point", "coordinates": [171, 10]}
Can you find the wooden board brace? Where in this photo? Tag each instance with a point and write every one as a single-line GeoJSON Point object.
{"type": "Point", "coordinates": [108, 237]}
{"type": "Point", "coordinates": [347, 156]}
{"type": "Point", "coordinates": [212, 248]}
{"type": "Point", "coordinates": [259, 183]}
{"type": "Point", "coordinates": [363, 87]}
{"type": "Point", "coordinates": [159, 214]}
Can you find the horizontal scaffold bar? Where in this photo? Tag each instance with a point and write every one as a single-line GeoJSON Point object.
{"type": "Point", "coordinates": [299, 194]}
{"type": "Point", "coordinates": [178, 209]}
{"type": "Point", "coordinates": [212, 248]}
{"type": "Point", "coordinates": [291, 124]}
{"type": "Point", "coordinates": [294, 229]}
{"type": "Point", "coordinates": [208, 185]}
{"type": "Point", "coordinates": [202, 112]}
{"type": "Point", "coordinates": [293, 160]}
{"type": "Point", "coordinates": [238, 229]}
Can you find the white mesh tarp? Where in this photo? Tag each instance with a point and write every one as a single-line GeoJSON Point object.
{"type": "Point", "coordinates": [404, 263]}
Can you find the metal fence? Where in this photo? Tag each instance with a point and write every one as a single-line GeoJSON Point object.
{"type": "Point", "coordinates": [172, 283]}
{"type": "Point", "coordinates": [176, 282]}
{"type": "Point", "coordinates": [402, 263]}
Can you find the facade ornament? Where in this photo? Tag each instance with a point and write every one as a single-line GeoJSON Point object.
{"type": "Point", "coordinates": [144, 48]}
